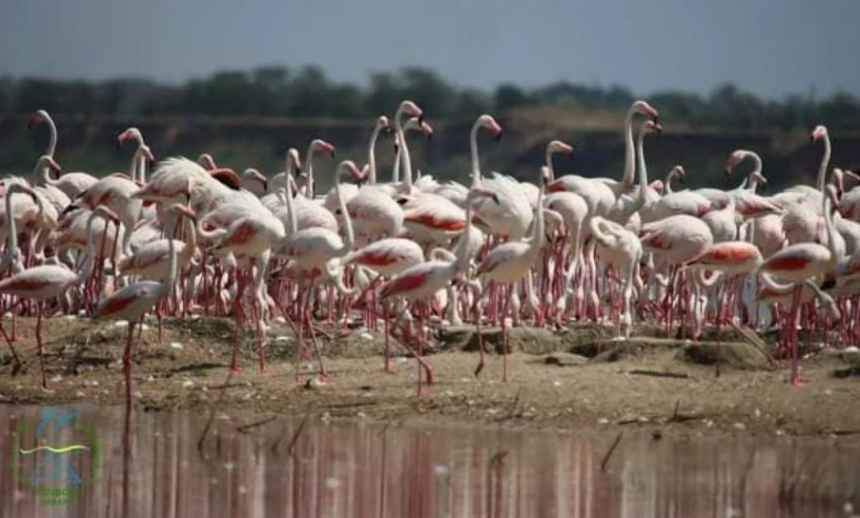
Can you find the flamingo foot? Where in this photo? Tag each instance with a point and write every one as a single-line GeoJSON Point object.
{"type": "Point", "coordinates": [797, 381]}
{"type": "Point", "coordinates": [479, 368]}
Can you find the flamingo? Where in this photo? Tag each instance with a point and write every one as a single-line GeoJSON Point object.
{"type": "Point", "coordinates": [254, 182]}
{"type": "Point", "coordinates": [72, 184]}
{"type": "Point", "coordinates": [622, 250]}
{"type": "Point", "coordinates": [509, 263]}
{"type": "Point", "coordinates": [44, 282]}
{"type": "Point", "coordinates": [801, 262]}
{"type": "Point", "coordinates": [131, 303]}
{"type": "Point", "coordinates": [421, 282]}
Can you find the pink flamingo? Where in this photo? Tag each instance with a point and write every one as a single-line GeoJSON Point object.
{"type": "Point", "coordinates": [131, 303]}
{"type": "Point", "coordinates": [45, 282]}
{"type": "Point", "coordinates": [509, 263]}
{"type": "Point", "coordinates": [421, 282]}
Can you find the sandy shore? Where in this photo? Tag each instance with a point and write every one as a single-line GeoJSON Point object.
{"type": "Point", "coordinates": [571, 378]}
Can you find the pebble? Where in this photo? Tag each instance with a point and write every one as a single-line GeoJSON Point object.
{"type": "Point", "coordinates": [280, 320]}
{"type": "Point", "coordinates": [143, 327]}
{"type": "Point", "coordinates": [603, 420]}
{"type": "Point", "coordinates": [556, 383]}
{"type": "Point", "coordinates": [176, 345]}
{"type": "Point", "coordinates": [70, 317]}
{"type": "Point", "coordinates": [187, 384]}
{"type": "Point", "coordinates": [361, 415]}
{"type": "Point", "coordinates": [56, 379]}
{"type": "Point", "coordinates": [848, 508]}
{"type": "Point", "coordinates": [740, 426]}
{"type": "Point", "coordinates": [366, 336]}
{"type": "Point", "coordinates": [332, 483]}
{"type": "Point", "coordinates": [79, 393]}
{"type": "Point", "coordinates": [138, 394]}
{"type": "Point", "coordinates": [852, 349]}
{"type": "Point", "coordinates": [7, 315]}
{"type": "Point", "coordinates": [284, 338]}
{"type": "Point", "coordinates": [121, 323]}
{"type": "Point", "coordinates": [242, 490]}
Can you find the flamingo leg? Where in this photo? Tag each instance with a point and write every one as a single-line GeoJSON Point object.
{"type": "Point", "coordinates": [16, 362]}
{"type": "Point", "coordinates": [39, 343]}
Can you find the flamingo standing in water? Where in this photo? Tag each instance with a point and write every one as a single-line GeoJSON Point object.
{"type": "Point", "coordinates": [45, 282]}
{"type": "Point", "coordinates": [421, 282]}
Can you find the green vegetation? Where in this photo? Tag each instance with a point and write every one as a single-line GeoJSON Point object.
{"type": "Point", "coordinates": [308, 93]}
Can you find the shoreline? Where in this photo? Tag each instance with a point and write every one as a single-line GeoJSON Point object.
{"type": "Point", "coordinates": [573, 378]}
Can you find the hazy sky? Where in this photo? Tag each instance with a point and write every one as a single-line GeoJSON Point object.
{"type": "Point", "coordinates": [770, 47]}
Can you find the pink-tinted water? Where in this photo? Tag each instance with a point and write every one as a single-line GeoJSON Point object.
{"type": "Point", "coordinates": [283, 468]}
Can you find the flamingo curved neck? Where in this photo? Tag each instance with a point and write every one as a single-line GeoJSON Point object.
{"type": "Point", "coordinates": [52, 144]}
{"type": "Point", "coordinates": [309, 166]}
{"type": "Point", "coordinates": [627, 178]}
{"type": "Point", "coordinates": [473, 146]}
{"type": "Point", "coordinates": [825, 161]}
{"type": "Point", "coordinates": [44, 173]}
{"type": "Point", "coordinates": [403, 150]}
{"type": "Point", "coordinates": [349, 238]}
{"type": "Point", "coordinates": [538, 237]}
{"type": "Point", "coordinates": [288, 199]}
{"type": "Point", "coordinates": [828, 224]}
{"type": "Point", "coordinates": [371, 156]}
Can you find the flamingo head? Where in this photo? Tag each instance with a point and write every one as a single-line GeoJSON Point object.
{"type": "Point", "coordinates": [383, 125]}
{"type": "Point", "coordinates": [679, 173]}
{"type": "Point", "coordinates": [652, 126]}
{"type": "Point", "coordinates": [348, 167]}
{"type": "Point", "coordinates": [412, 109]}
{"type": "Point", "coordinates": [487, 121]}
{"type": "Point", "coordinates": [49, 162]}
{"type": "Point", "coordinates": [207, 162]}
{"type": "Point", "coordinates": [37, 117]}
{"type": "Point", "coordinates": [656, 185]}
{"type": "Point", "coordinates": [839, 180]}
{"type": "Point", "coordinates": [253, 175]}
{"type": "Point", "coordinates": [734, 159]}
{"type": "Point", "coordinates": [294, 160]}
{"type": "Point", "coordinates": [129, 134]}
{"type": "Point", "coordinates": [643, 108]}
{"type": "Point", "coordinates": [417, 123]}
{"type": "Point", "coordinates": [819, 132]}
{"type": "Point", "coordinates": [557, 146]}
{"type": "Point", "coordinates": [322, 145]}
{"type": "Point", "coordinates": [364, 176]}
{"type": "Point", "coordinates": [831, 192]}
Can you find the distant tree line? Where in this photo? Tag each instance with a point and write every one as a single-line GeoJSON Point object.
{"type": "Point", "coordinates": [307, 92]}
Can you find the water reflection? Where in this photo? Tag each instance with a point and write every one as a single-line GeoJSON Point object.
{"type": "Point", "coordinates": [284, 467]}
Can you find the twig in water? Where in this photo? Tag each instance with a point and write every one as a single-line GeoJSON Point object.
{"type": "Point", "coordinates": [205, 433]}
{"type": "Point", "coordinates": [291, 448]}
{"type": "Point", "coordinates": [611, 451]}
{"type": "Point", "coordinates": [245, 428]}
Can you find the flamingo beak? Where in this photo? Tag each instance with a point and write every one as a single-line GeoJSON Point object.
{"type": "Point", "coordinates": [33, 121]}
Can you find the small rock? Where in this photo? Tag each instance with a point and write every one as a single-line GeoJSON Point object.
{"type": "Point", "coordinates": [366, 336]}
{"type": "Point", "coordinates": [280, 320]}
{"type": "Point", "coordinates": [138, 394]}
{"type": "Point", "coordinates": [757, 412]}
{"type": "Point", "coordinates": [143, 327]}
{"type": "Point", "coordinates": [332, 483]}
{"type": "Point", "coordinates": [187, 384]}
{"type": "Point", "coordinates": [283, 339]}
{"type": "Point", "coordinates": [242, 490]}
{"type": "Point", "coordinates": [79, 393]}
{"type": "Point", "coordinates": [739, 426]}
{"type": "Point", "coordinates": [361, 415]}
{"type": "Point", "coordinates": [851, 349]}
{"type": "Point", "coordinates": [314, 383]}
{"type": "Point", "coordinates": [121, 323]}
{"type": "Point", "coordinates": [176, 345]}
{"type": "Point", "coordinates": [556, 383]}
{"type": "Point", "coordinates": [828, 392]}
{"type": "Point", "coordinates": [848, 508]}
{"type": "Point", "coordinates": [70, 317]}
{"type": "Point", "coordinates": [56, 379]}
{"type": "Point", "coordinates": [603, 420]}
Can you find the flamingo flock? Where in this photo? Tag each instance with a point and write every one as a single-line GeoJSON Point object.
{"type": "Point", "coordinates": [412, 253]}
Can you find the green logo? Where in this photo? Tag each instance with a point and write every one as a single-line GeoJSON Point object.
{"type": "Point", "coordinates": [56, 456]}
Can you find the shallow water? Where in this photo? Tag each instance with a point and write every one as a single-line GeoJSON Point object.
{"type": "Point", "coordinates": [197, 465]}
